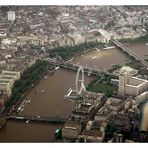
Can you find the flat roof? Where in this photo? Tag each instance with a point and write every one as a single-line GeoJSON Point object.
{"type": "Point", "coordinates": [71, 125]}
{"type": "Point", "coordinates": [115, 101]}
{"type": "Point", "coordinates": [127, 69]}
{"type": "Point", "coordinates": [83, 108]}
{"type": "Point", "coordinates": [104, 112]}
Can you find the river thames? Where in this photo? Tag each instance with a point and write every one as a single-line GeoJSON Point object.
{"type": "Point", "coordinates": [51, 102]}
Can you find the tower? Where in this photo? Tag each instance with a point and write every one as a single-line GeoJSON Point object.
{"type": "Point", "coordinates": [123, 80]}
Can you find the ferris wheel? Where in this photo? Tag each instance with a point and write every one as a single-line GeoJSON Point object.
{"type": "Point", "coordinates": [79, 84]}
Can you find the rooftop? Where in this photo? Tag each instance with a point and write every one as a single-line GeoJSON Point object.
{"type": "Point", "coordinates": [104, 111]}
{"type": "Point", "coordinates": [115, 101]}
{"type": "Point", "coordinates": [83, 108]}
{"type": "Point", "coordinates": [128, 69]}
{"type": "Point", "coordinates": [71, 125]}
{"type": "Point", "coordinates": [93, 133]}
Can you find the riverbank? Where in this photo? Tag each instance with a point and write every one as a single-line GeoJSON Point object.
{"type": "Point", "coordinates": [28, 78]}
{"type": "Point", "coordinates": [138, 40]}
{"type": "Point", "coordinates": [69, 51]}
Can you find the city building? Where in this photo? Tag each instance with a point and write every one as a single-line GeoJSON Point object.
{"type": "Point", "coordinates": [71, 130]}
{"type": "Point", "coordinates": [129, 85]}
{"type": "Point", "coordinates": [5, 86]}
{"type": "Point", "coordinates": [91, 136]}
{"type": "Point", "coordinates": [115, 103]}
{"type": "Point", "coordinates": [11, 15]}
{"type": "Point", "coordinates": [130, 70]}
{"type": "Point", "coordinates": [15, 75]}
{"type": "Point", "coordinates": [90, 38]}
{"type": "Point", "coordinates": [3, 64]}
{"type": "Point", "coordinates": [109, 109]}
{"type": "Point", "coordinates": [7, 79]}
{"type": "Point", "coordinates": [103, 114]}
{"type": "Point", "coordinates": [83, 109]}
{"type": "Point", "coordinates": [77, 38]}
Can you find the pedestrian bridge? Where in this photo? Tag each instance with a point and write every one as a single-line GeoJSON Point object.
{"type": "Point", "coordinates": [69, 65]}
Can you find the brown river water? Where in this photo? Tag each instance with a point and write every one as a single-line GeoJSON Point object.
{"type": "Point", "coordinates": [140, 49]}
{"type": "Point", "coordinates": [52, 100]}
{"type": "Point", "coordinates": [43, 104]}
{"type": "Point", "coordinates": [102, 59]}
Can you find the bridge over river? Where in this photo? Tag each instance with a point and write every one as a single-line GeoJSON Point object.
{"type": "Point", "coordinates": [130, 52]}
{"type": "Point", "coordinates": [54, 120]}
{"type": "Point", "coordinates": [88, 70]}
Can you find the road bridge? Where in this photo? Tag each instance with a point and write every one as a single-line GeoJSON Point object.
{"type": "Point", "coordinates": [130, 52]}
{"type": "Point", "coordinates": [36, 118]}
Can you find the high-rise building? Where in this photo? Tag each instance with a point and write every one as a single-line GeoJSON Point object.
{"type": "Point", "coordinates": [129, 85]}
{"type": "Point", "coordinates": [122, 82]}
{"type": "Point", "coordinates": [11, 15]}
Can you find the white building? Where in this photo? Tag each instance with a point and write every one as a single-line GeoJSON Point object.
{"type": "Point", "coordinates": [141, 98]}
{"type": "Point", "coordinates": [11, 15]}
{"type": "Point", "coordinates": [7, 79]}
{"type": "Point", "coordinates": [15, 75]}
{"type": "Point", "coordinates": [65, 41]}
{"type": "Point", "coordinates": [77, 38]}
{"type": "Point", "coordinates": [126, 68]}
{"type": "Point", "coordinates": [105, 34]}
{"type": "Point", "coordinates": [138, 88]}
{"type": "Point", "coordinates": [129, 85]}
{"type": "Point", "coordinates": [90, 39]}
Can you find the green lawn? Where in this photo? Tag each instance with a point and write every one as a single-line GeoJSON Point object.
{"type": "Point", "coordinates": [108, 89]}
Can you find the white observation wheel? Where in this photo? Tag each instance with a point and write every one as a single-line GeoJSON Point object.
{"type": "Point", "coordinates": [79, 84]}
